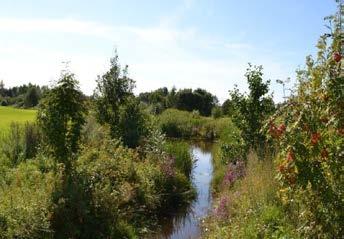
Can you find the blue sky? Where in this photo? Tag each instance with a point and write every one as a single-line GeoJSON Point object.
{"type": "Point", "coordinates": [182, 43]}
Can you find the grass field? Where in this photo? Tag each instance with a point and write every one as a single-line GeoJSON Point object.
{"type": "Point", "coordinates": [10, 114]}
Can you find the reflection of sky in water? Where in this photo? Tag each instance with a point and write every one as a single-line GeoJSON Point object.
{"type": "Point", "coordinates": [188, 226]}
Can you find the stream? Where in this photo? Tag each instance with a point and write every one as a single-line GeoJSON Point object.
{"type": "Point", "coordinates": [185, 224]}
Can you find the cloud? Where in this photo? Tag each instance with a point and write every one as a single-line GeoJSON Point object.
{"type": "Point", "coordinates": [158, 56]}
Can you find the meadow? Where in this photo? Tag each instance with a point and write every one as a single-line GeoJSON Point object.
{"type": "Point", "coordinates": [10, 114]}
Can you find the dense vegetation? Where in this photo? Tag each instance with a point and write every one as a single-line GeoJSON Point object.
{"type": "Point", "coordinates": [294, 187]}
{"type": "Point", "coordinates": [110, 165]}
{"type": "Point", "coordinates": [25, 96]}
{"type": "Point", "coordinates": [74, 174]}
{"type": "Point", "coordinates": [184, 99]}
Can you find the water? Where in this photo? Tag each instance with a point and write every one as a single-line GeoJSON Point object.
{"type": "Point", "coordinates": [185, 224]}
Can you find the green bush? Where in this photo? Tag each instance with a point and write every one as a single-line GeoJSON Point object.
{"type": "Point", "coordinates": [181, 152]}
{"type": "Point", "coordinates": [25, 202]}
{"type": "Point", "coordinates": [21, 142]}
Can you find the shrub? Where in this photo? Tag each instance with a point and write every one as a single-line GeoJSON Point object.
{"type": "Point", "coordinates": [309, 133]}
{"type": "Point", "coordinates": [25, 202]}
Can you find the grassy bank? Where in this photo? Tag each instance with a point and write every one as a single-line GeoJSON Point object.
{"type": "Point", "coordinates": [10, 114]}
{"type": "Point", "coordinates": [114, 191]}
{"type": "Point", "coordinates": [190, 125]}
{"type": "Point", "coordinates": [246, 204]}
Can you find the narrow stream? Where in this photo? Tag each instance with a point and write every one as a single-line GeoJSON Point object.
{"type": "Point", "coordinates": [186, 223]}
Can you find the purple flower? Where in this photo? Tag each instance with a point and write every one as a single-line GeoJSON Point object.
{"type": "Point", "coordinates": [234, 172]}
{"type": "Point", "coordinates": [221, 211]}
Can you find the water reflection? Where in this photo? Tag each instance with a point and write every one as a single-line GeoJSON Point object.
{"type": "Point", "coordinates": [185, 223]}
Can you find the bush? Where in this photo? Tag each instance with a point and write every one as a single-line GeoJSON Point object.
{"type": "Point", "coordinates": [21, 142]}
{"type": "Point", "coordinates": [308, 130]}
{"type": "Point", "coordinates": [25, 202]}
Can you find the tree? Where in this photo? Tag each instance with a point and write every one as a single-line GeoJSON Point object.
{"type": "Point", "coordinates": [61, 116]}
{"type": "Point", "coordinates": [199, 99]}
{"type": "Point", "coordinates": [250, 111]}
{"type": "Point", "coordinates": [132, 123]}
{"type": "Point", "coordinates": [117, 107]}
{"type": "Point", "coordinates": [31, 97]}
{"type": "Point", "coordinates": [113, 89]}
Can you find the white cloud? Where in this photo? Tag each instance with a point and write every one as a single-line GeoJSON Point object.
{"type": "Point", "coordinates": [157, 56]}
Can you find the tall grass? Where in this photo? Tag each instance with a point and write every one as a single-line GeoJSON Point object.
{"type": "Point", "coordinates": [249, 208]}
{"type": "Point", "coordinates": [180, 150]}
{"type": "Point", "coordinates": [183, 124]}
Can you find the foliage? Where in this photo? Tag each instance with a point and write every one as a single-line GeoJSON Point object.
{"type": "Point", "coordinates": [21, 96]}
{"type": "Point", "coordinates": [132, 123]}
{"type": "Point", "coordinates": [20, 142]}
{"type": "Point", "coordinates": [310, 138]}
{"type": "Point", "coordinates": [61, 116]}
{"type": "Point", "coordinates": [198, 99]}
{"type": "Point", "coordinates": [249, 111]}
{"type": "Point", "coordinates": [181, 153]}
{"type": "Point", "coordinates": [248, 207]}
{"type": "Point", "coordinates": [184, 99]}
{"type": "Point", "coordinates": [182, 124]}
{"type": "Point", "coordinates": [113, 90]}
{"type": "Point", "coordinates": [31, 98]}
{"type": "Point", "coordinates": [25, 202]}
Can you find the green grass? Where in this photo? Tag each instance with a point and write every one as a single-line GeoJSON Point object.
{"type": "Point", "coordinates": [10, 114]}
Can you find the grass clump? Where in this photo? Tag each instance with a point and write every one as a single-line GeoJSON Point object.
{"type": "Point", "coordinates": [248, 206]}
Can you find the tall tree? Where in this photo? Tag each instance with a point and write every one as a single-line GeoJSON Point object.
{"type": "Point", "coordinates": [249, 111]}
{"type": "Point", "coordinates": [61, 116]}
{"type": "Point", "coordinates": [113, 89]}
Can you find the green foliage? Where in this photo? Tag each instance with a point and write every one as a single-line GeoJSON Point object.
{"type": "Point", "coordinates": [250, 208]}
{"type": "Point", "coordinates": [116, 106]}
{"type": "Point", "coordinates": [21, 96]}
{"type": "Point", "coordinates": [184, 99]}
{"type": "Point", "coordinates": [20, 142]}
{"type": "Point", "coordinates": [25, 202]}
{"type": "Point", "coordinates": [182, 124]}
{"type": "Point", "coordinates": [249, 111]}
{"type": "Point", "coordinates": [216, 112]}
{"type": "Point", "coordinates": [181, 153]}
{"type": "Point", "coordinates": [31, 98]}
{"type": "Point", "coordinates": [61, 116]}
{"type": "Point", "coordinates": [132, 123]}
{"type": "Point", "coordinates": [311, 144]}
{"type": "Point", "coordinates": [198, 99]}
{"type": "Point", "coordinates": [113, 90]}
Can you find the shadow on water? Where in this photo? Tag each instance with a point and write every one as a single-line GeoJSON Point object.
{"type": "Point", "coordinates": [185, 222]}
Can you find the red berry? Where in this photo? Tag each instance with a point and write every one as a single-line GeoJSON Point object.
{"type": "Point", "coordinates": [290, 156]}
{"type": "Point", "coordinates": [337, 57]}
{"type": "Point", "coordinates": [315, 138]}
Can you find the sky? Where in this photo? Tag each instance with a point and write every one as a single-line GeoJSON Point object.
{"type": "Point", "coordinates": [181, 43]}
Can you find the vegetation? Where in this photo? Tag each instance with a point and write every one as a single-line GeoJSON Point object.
{"type": "Point", "coordinates": [110, 165]}
{"type": "Point", "coordinates": [185, 99]}
{"type": "Point", "coordinates": [67, 176]}
{"type": "Point", "coordinates": [10, 114]}
{"type": "Point", "coordinates": [297, 191]}
{"type": "Point", "coordinates": [182, 124]}
{"type": "Point", "coordinates": [25, 96]}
